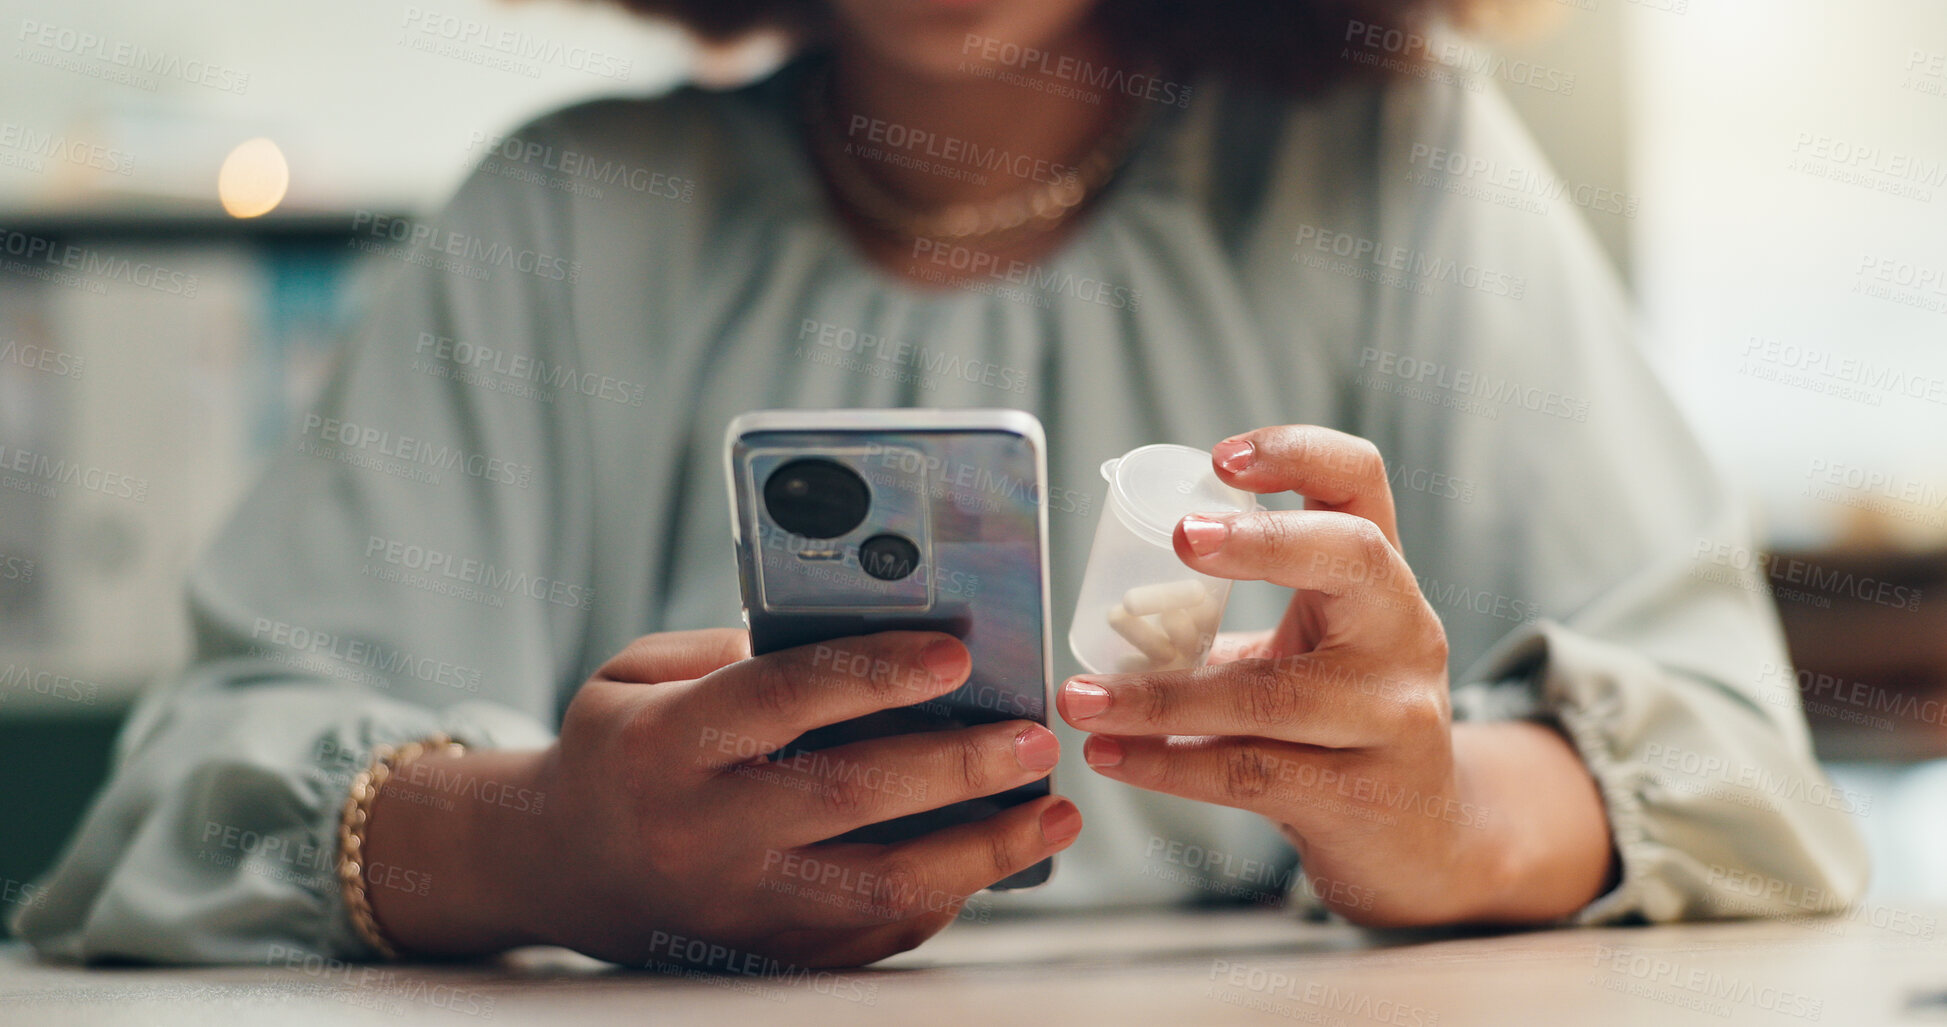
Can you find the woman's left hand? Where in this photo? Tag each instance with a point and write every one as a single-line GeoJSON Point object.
{"type": "Point", "coordinates": [1337, 724]}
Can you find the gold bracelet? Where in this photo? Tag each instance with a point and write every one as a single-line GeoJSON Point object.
{"type": "Point", "coordinates": [351, 832]}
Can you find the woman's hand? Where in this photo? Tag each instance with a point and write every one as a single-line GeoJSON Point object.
{"type": "Point", "coordinates": [663, 835]}
{"type": "Point", "coordinates": [1337, 724]}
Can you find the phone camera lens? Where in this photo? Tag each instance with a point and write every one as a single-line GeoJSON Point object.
{"type": "Point", "coordinates": [816, 498]}
{"type": "Point", "coordinates": [889, 557]}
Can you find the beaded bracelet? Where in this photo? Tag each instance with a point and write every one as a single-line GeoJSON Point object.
{"type": "Point", "coordinates": [351, 832]}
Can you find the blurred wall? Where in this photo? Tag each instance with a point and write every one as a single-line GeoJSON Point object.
{"type": "Point", "coordinates": [1585, 127]}
{"type": "Point", "coordinates": [377, 103]}
{"type": "Point", "coordinates": [1793, 251]}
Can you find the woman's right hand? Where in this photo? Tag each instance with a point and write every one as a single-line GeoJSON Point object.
{"type": "Point", "coordinates": [661, 833]}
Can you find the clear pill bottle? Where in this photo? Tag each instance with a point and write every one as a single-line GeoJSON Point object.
{"type": "Point", "coordinates": [1141, 608]}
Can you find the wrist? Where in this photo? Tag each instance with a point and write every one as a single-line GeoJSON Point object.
{"type": "Point", "coordinates": [447, 845]}
{"type": "Point", "coordinates": [1490, 849]}
{"type": "Point", "coordinates": [1544, 849]}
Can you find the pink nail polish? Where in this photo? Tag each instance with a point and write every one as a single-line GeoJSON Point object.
{"type": "Point", "coordinates": [1204, 534]}
{"type": "Point", "coordinates": [1102, 752]}
{"type": "Point", "coordinates": [1037, 749]}
{"type": "Point", "coordinates": [1060, 822]}
{"type": "Point", "coordinates": [1085, 699]}
{"type": "Point", "coordinates": [1233, 455]}
{"type": "Point", "coordinates": [942, 659]}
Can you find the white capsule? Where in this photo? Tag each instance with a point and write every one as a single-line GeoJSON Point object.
{"type": "Point", "coordinates": [1209, 615]}
{"type": "Point", "coordinates": [1147, 599]}
{"type": "Point", "coordinates": [1143, 635]}
{"type": "Point", "coordinates": [1183, 632]}
{"type": "Point", "coordinates": [1133, 663]}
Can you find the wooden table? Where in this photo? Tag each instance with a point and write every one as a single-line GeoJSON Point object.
{"type": "Point", "coordinates": [1886, 965]}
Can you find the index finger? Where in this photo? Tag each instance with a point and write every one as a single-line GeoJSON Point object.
{"type": "Point", "coordinates": [766, 701]}
{"type": "Point", "coordinates": [1331, 469]}
{"type": "Point", "coordinates": [676, 656]}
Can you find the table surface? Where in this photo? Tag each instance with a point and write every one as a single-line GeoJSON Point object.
{"type": "Point", "coordinates": [1883, 965]}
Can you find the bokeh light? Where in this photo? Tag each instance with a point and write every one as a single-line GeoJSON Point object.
{"type": "Point", "coordinates": [253, 179]}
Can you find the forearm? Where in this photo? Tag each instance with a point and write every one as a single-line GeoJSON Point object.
{"type": "Point", "coordinates": [1545, 851]}
{"type": "Point", "coordinates": [448, 851]}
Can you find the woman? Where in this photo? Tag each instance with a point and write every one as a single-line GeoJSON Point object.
{"type": "Point", "coordinates": [1512, 685]}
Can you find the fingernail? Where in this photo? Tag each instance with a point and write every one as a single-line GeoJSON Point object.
{"type": "Point", "coordinates": [1060, 822]}
{"type": "Point", "coordinates": [1234, 455]}
{"type": "Point", "coordinates": [1204, 534]}
{"type": "Point", "coordinates": [1085, 699]}
{"type": "Point", "coordinates": [1102, 752]}
{"type": "Point", "coordinates": [942, 659]}
{"type": "Point", "coordinates": [1037, 748]}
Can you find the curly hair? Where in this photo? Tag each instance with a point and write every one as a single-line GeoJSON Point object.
{"type": "Point", "coordinates": [1295, 45]}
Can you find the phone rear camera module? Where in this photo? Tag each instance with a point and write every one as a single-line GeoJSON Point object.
{"type": "Point", "coordinates": [889, 557]}
{"type": "Point", "coordinates": [817, 498]}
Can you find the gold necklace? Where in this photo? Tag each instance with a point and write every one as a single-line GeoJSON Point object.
{"type": "Point", "coordinates": [1041, 208]}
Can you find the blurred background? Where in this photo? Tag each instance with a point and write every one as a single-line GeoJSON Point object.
{"type": "Point", "coordinates": [1778, 172]}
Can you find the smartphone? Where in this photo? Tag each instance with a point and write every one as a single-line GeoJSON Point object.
{"type": "Point", "coordinates": [848, 522]}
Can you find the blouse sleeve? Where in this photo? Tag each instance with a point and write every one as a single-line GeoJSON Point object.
{"type": "Point", "coordinates": [415, 559]}
{"type": "Point", "coordinates": [1591, 568]}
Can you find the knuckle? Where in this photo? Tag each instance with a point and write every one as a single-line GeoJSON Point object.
{"type": "Point", "coordinates": [1166, 771]}
{"type": "Point", "coordinates": [1153, 702]}
{"type": "Point", "coordinates": [1371, 542]}
{"type": "Point", "coordinates": [670, 850]}
{"type": "Point", "coordinates": [1436, 642]}
{"type": "Point", "coordinates": [642, 733]}
{"type": "Point", "coordinates": [899, 892]}
{"type": "Point", "coordinates": [732, 646]}
{"type": "Point", "coordinates": [777, 687]}
{"type": "Point", "coordinates": [1247, 773]}
{"type": "Point", "coordinates": [615, 668]}
{"type": "Point", "coordinates": [1001, 858]}
{"type": "Point", "coordinates": [844, 796]}
{"type": "Point", "coordinates": [1281, 533]}
{"type": "Point", "coordinates": [911, 938]}
{"type": "Point", "coordinates": [898, 674]}
{"type": "Point", "coordinates": [1300, 444]}
{"type": "Point", "coordinates": [886, 670]}
{"type": "Point", "coordinates": [1426, 711]}
{"type": "Point", "coordinates": [1412, 711]}
{"type": "Point", "coordinates": [1267, 696]}
{"type": "Point", "coordinates": [975, 769]}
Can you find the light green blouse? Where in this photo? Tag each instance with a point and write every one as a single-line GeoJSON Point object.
{"type": "Point", "coordinates": [517, 469]}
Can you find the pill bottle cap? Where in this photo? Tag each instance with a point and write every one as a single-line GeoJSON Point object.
{"type": "Point", "coordinates": [1153, 487]}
